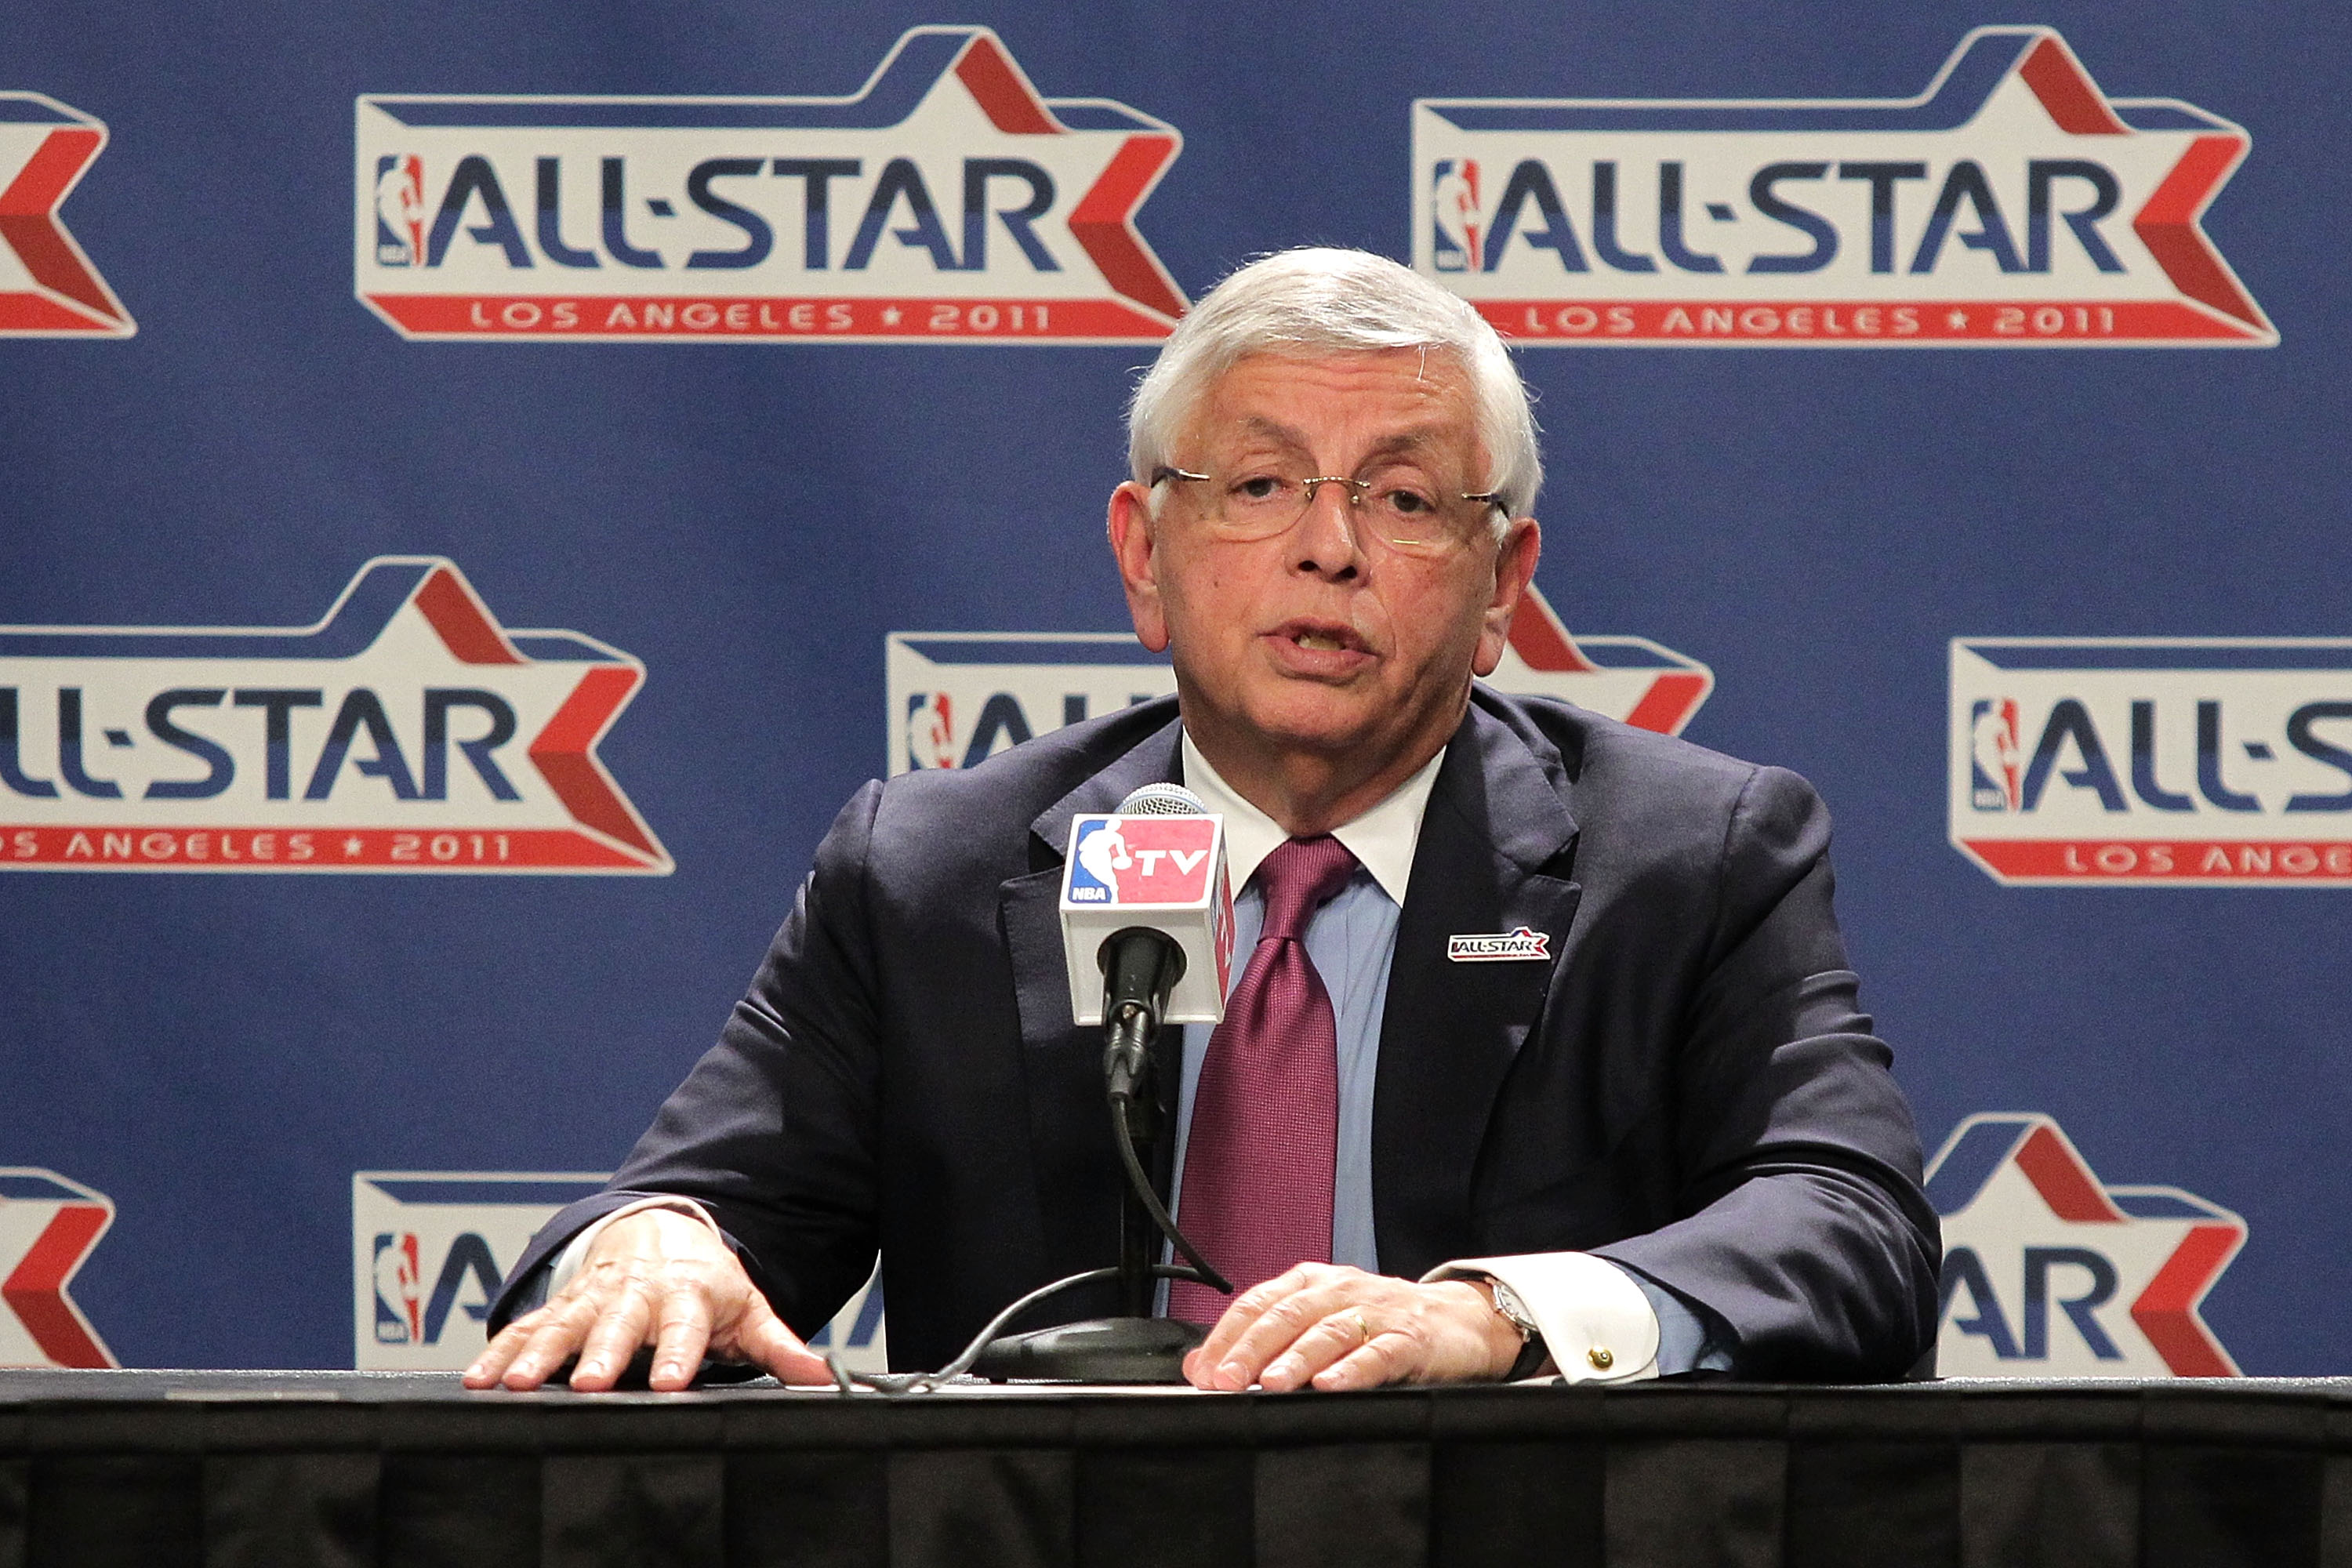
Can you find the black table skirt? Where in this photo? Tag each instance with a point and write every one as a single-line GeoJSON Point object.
{"type": "Point", "coordinates": [159, 1469]}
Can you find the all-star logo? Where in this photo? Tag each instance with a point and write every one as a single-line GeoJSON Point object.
{"type": "Point", "coordinates": [944, 201]}
{"type": "Point", "coordinates": [957, 698]}
{"type": "Point", "coordinates": [2049, 1272]}
{"type": "Point", "coordinates": [2010, 202]}
{"type": "Point", "coordinates": [2181, 762]}
{"type": "Point", "coordinates": [48, 1226]}
{"type": "Point", "coordinates": [1502, 947]}
{"type": "Point", "coordinates": [406, 730]}
{"type": "Point", "coordinates": [48, 286]}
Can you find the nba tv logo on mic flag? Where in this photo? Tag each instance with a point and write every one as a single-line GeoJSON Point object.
{"type": "Point", "coordinates": [1167, 872]}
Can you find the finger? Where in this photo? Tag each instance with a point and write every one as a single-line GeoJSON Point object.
{"type": "Point", "coordinates": [619, 1330]}
{"type": "Point", "coordinates": [1278, 1330]}
{"type": "Point", "coordinates": [561, 1328]}
{"type": "Point", "coordinates": [492, 1363]}
{"type": "Point", "coordinates": [1246, 1310]}
{"type": "Point", "coordinates": [682, 1331]}
{"type": "Point", "coordinates": [1391, 1357]}
{"type": "Point", "coordinates": [1338, 1335]}
{"type": "Point", "coordinates": [766, 1343]}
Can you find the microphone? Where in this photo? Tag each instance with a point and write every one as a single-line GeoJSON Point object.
{"type": "Point", "coordinates": [1144, 890]}
{"type": "Point", "coordinates": [1147, 914]}
{"type": "Point", "coordinates": [1147, 938]}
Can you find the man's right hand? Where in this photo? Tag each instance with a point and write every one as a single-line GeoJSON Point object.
{"type": "Point", "coordinates": [659, 1277]}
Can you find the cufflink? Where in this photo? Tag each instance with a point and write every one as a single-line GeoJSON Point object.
{"type": "Point", "coordinates": [1600, 1358]}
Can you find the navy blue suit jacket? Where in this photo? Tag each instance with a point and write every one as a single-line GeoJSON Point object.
{"type": "Point", "coordinates": [1687, 1088]}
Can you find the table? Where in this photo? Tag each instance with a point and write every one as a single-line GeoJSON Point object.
{"type": "Point", "coordinates": [227, 1469]}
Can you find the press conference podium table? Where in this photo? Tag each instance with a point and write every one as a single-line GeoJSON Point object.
{"type": "Point", "coordinates": [161, 1469]}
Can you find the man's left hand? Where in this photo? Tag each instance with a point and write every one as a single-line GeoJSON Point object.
{"type": "Point", "coordinates": [1335, 1328]}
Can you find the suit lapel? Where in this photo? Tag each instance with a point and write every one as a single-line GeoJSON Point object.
{"type": "Point", "coordinates": [1060, 1063]}
{"type": "Point", "coordinates": [1491, 858]}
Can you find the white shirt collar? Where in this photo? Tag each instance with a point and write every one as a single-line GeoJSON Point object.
{"type": "Point", "coordinates": [1382, 839]}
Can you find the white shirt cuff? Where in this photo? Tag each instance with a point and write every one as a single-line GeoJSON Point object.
{"type": "Point", "coordinates": [1596, 1323]}
{"type": "Point", "coordinates": [575, 1251]}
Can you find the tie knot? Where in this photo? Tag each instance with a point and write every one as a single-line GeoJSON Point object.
{"type": "Point", "coordinates": [1298, 877]}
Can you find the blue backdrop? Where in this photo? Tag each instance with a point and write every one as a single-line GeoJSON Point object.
{"type": "Point", "coordinates": [749, 519]}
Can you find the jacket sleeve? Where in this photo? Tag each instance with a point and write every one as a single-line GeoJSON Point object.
{"type": "Point", "coordinates": [1803, 1225]}
{"type": "Point", "coordinates": [775, 1129]}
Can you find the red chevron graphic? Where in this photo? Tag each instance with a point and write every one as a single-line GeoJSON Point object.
{"type": "Point", "coordinates": [71, 1218]}
{"type": "Point", "coordinates": [1540, 637]}
{"type": "Point", "coordinates": [2065, 1183]}
{"type": "Point", "coordinates": [2167, 1311]}
{"type": "Point", "coordinates": [68, 298]}
{"type": "Point", "coordinates": [1003, 92]}
{"type": "Point", "coordinates": [462, 620]}
{"type": "Point", "coordinates": [2067, 91]}
{"type": "Point", "coordinates": [1542, 642]}
{"type": "Point", "coordinates": [2168, 225]}
{"type": "Point", "coordinates": [1103, 220]}
{"type": "Point", "coordinates": [566, 754]}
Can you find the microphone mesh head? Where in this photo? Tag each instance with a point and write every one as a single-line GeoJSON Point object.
{"type": "Point", "coordinates": [1162, 800]}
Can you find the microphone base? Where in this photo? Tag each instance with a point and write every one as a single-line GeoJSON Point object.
{"type": "Point", "coordinates": [1099, 1350]}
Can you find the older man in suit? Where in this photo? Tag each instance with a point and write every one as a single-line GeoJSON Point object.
{"type": "Point", "coordinates": [1657, 1138]}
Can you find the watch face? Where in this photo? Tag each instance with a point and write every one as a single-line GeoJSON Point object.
{"type": "Point", "coordinates": [1507, 1302]}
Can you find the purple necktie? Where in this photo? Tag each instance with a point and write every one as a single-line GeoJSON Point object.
{"type": "Point", "coordinates": [1266, 1115]}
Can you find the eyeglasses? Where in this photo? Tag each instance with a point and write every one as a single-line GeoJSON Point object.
{"type": "Point", "coordinates": [1399, 507]}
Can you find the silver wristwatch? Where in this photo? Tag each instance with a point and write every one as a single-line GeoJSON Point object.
{"type": "Point", "coordinates": [1507, 1302]}
{"type": "Point", "coordinates": [1532, 1351]}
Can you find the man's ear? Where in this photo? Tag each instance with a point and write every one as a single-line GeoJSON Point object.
{"type": "Point", "coordinates": [1515, 568]}
{"type": "Point", "coordinates": [1134, 543]}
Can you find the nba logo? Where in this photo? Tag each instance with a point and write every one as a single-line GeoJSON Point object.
{"type": "Point", "coordinates": [400, 211]}
{"type": "Point", "coordinates": [1457, 231]}
{"type": "Point", "coordinates": [1993, 754]}
{"type": "Point", "coordinates": [399, 1313]}
{"type": "Point", "coordinates": [931, 730]}
{"type": "Point", "coordinates": [1102, 855]}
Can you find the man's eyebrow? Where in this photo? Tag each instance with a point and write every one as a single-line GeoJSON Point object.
{"type": "Point", "coordinates": [1274, 430]}
{"type": "Point", "coordinates": [1414, 440]}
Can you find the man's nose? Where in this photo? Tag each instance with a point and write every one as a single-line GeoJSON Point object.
{"type": "Point", "coordinates": [1326, 538]}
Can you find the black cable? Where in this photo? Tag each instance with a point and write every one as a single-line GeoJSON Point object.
{"type": "Point", "coordinates": [895, 1383]}
{"type": "Point", "coordinates": [1201, 1273]}
{"type": "Point", "coordinates": [1159, 1216]}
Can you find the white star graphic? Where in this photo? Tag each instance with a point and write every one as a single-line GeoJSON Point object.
{"type": "Point", "coordinates": [890, 314]}
{"type": "Point", "coordinates": [2050, 1272]}
{"type": "Point", "coordinates": [1957, 319]}
{"type": "Point", "coordinates": [352, 845]}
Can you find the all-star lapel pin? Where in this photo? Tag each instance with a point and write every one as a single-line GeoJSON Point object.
{"type": "Point", "coordinates": [1502, 946]}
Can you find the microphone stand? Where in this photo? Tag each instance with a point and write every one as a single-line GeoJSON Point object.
{"type": "Point", "coordinates": [1135, 1347]}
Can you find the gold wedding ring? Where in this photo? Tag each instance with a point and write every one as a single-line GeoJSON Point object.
{"type": "Point", "coordinates": [1364, 1328]}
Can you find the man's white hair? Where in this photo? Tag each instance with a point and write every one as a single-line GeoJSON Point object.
{"type": "Point", "coordinates": [1313, 301]}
